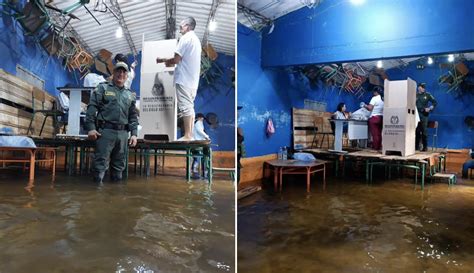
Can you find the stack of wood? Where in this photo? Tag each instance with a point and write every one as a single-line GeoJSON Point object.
{"type": "Point", "coordinates": [309, 129]}
{"type": "Point", "coordinates": [16, 102]}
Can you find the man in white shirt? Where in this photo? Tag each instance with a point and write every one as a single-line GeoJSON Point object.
{"type": "Point", "coordinates": [376, 117]}
{"type": "Point", "coordinates": [187, 59]}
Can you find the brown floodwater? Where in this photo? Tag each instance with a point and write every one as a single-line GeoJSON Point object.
{"type": "Point", "coordinates": [351, 227]}
{"type": "Point", "coordinates": [160, 224]}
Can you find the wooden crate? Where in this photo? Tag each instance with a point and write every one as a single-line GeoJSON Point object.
{"type": "Point", "coordinates": [17, 102]}
{"type": "Point", "coordinates": [304, 118]}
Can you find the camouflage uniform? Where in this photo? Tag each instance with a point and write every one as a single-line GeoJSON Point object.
{"type": "Point", "coordinates": [112, 113]}
{"type": "Point", "coordinates": [423, 101]}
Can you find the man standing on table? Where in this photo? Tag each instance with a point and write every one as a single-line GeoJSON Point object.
{"type": "Point", "coordinates": [425, 104]}
{"type": "Point", "coordinates": [187, 59]}
{"type": "Point", "coordinates": [111, 114]}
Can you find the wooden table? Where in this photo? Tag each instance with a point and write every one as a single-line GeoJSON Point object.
{"type": "Point", "coordinates": [281, 167]}
{"type": "Point", "coordinates": [30, 156]}
{"type": "Point", "coordinates": [148, 148]}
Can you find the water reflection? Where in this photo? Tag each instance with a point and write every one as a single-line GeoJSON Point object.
{"type": "Point", "coordinates": [161, 224]}
{"type": "Point", "coordinates": [351, 227]}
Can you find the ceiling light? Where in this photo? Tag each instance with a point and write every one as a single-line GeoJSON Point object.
{"type": "Point", "coordinates": [430, 60]}
{"type": "Point", "coordinates": [379, 64]}
{"type": "Point", "coordinates": [119, 33]}
{"type": "Point", "coordinates": [212, 25]}
{"type": "Point", "coordinates": [450, 58]}
{"type": "Point", "coordinates": [357, 2]}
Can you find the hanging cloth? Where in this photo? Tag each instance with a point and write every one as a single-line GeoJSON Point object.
{"type": "Point", "coordinates": [270, 128]}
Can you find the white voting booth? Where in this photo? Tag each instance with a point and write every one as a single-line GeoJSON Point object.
{"type": "Point", "coordinates": [399, 117]}
{"type": "Point", "coordinates": [158, 108]}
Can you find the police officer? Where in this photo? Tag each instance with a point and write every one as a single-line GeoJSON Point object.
{"type": "Point", "coordinates": [425, 103]}
{"type": "Point", "coordinates": [111, 114]}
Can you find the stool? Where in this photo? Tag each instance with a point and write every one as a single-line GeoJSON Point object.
{"type": "Point", "coordinates": [230, 171]}
{"type": "Point", "coordinates": [449, 176]}
{"type": "Point", "coordinates": [432, 124]}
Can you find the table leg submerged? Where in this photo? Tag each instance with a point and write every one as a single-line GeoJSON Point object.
{"type": "Point", "coordinates": [209, 171]}
{"type": "Point", "coordinates": [156, 161]}
{"type": "Point", "coordinates": [54, 166]}
{"type": "Point", "coordinates": [147, 162]}
{"type": "Point", "coordinates": [275, 178]}
{"type": "Point", "coordinates": [188, 159]}
{"type": "Point", "coordinates": [32, 166]}
{"type": "Point", "coordinates": [324, 176]}
{"type": "Point", "coordinates": [308, 179]}
{"type": "Point", "coordinates": [423, 171]}
{"type": "Point", "coordinates": [281, 177]}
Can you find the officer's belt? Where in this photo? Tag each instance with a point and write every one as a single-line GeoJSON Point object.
{"type": "Point", "coordinates": [113, 126]}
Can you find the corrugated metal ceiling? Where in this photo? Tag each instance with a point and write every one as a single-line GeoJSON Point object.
{"type": "Point", "coordinates": [149, 18]}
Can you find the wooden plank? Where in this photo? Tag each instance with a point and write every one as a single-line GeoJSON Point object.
{"type": "Point", "coordinates": [253, 168]}
{"type": "Point", "coordinates": [248, 191]}
{"type": "Point", "coordinates": [19, 120]}
{"type": "Point", "coordinates": [18, 91]}
{"type": "Point", "coordinates": [311, 118]}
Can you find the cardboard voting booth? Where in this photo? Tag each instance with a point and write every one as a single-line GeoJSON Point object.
{"type": "Point", "coordinates": [399, 117]}
{"type": "Point", "coordinates": [158, 108]}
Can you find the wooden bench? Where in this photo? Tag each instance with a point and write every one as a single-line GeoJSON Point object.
{"type": "Point", "coordinates": [230, 171]}
{"type": "Point", "coordinates": [445, 176]}
{"type": "Point", "coordinates": [30, 156]}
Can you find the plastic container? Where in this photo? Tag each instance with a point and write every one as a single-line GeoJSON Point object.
{"type": "Point", "coordinates": [280, 153]}
{"type": "Point", "coordinates": [285, 153]}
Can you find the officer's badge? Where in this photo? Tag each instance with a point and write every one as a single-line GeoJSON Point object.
{"type": "Point", "coordinates": [109, 93]}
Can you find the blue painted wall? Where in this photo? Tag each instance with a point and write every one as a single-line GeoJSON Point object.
{"type": "Point", "coordinates": [271, 93]}
{"type": "Point", "coordinates": [452, 107]}
{"type": "Point", "coordinates": [261, 98]}
{"type": "Point", "coordinates": [338, 31]}
{"type": "Point", "coordinates": [218, 98]}
{"type": "Point", "coordinates": [16, 48]}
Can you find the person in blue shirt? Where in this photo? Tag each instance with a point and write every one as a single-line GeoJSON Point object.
{"type": "Point", "coordinates": [469, 164]}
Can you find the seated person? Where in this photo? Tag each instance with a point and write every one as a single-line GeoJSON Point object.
{"type": "Point", "coordinates": [341, 112]}
{"type": "Point", "coordinates": [469, 164]}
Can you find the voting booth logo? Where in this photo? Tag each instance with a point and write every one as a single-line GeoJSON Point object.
{"type": "Point", "coordinates": [158, 88]}
{"type": "Point", "coordinates": [394, 119]}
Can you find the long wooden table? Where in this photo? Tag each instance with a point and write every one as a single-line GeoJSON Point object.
{"type": "Point", "coordinates": [422, 161]}
{"type": "Point", "coordinates": [144, 148]}
{"type": "Point", "coordinates": [148, 148]}
{"type": "Point", "coordinates": [31, 156]}
{"type": "Point", "coordinates": [281, 167]}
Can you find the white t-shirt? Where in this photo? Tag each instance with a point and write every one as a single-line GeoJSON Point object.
{"type": "Point", "coordinates": [188, 70]}
{"type": "Point", "coordinates": [339, 115]}
{"type": "Point", "coordinates": [377, 102]}
{"type": "Point", "coordinates": [198, 131]}
{"type": "Point", "coordinates": [131, 76]}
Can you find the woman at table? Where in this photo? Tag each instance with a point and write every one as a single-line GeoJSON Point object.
{"type": "Point", "coordinates": [375, 107]}
{"type": "Point", "coordinates": [341, 112]}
